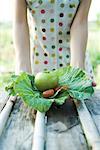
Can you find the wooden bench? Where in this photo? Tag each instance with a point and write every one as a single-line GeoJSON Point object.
{"type": "Point", "coordinates": [67, 127]}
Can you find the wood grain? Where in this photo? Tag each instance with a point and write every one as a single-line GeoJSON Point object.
{"type": "Point", "coordinates": [64, 130]}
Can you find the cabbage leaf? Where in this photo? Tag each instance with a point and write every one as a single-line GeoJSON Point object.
{"type": "Point", "coordinates": [79, 87]}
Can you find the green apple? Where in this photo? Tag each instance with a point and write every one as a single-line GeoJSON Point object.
{"type": "Point", "coordinates": [46, 80]}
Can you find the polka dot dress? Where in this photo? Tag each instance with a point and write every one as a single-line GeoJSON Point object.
{"type": "Point", "coordinates": [52, 21]}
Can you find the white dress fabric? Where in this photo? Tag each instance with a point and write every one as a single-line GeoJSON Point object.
{"type": "Point", "coordinates": [50, 33]}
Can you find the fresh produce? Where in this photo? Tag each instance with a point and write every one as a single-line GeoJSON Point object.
{"type": "Point", "coordinates": [48, 93]}
{"type": "Point", "coordinates": [60, 85]}
{"type": "Point", "coordinates": [53, 92]}
{"type": "Point", "coordinates": [57, 88]}
{"type": "Point", "coordinates": [64, 87]}
{"type": "Point", "coordinates": [46, 80]}
{"type": "Point", "coordinates": [60, 88]}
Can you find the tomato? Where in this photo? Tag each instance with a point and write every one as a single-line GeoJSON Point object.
{"type": "Point", "coordinates": [46, 80]}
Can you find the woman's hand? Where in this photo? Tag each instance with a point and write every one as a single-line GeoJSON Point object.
{"type": "Point", "coordinates": [94, 84]}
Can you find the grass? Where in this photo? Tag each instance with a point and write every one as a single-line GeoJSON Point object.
{"type": "Point", "coordinates": [4, 79]}
{"type": "Point", "coordinates": [94, 49]}
{"type": "Point", "coordinates": [7, 62]}
{"type": "Point", "coordinates": [6, 48]}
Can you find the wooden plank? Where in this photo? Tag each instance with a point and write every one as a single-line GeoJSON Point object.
{"type": "Point", "coordinates": [63, 129]}
{"type": "Point", "coordinates": [3, 99]}
{"type": "Point", "coordinates": [73, 139]}
{"type": "Point", "coordinates": [90, 130]}
{"type": "Point", "coordinates": [93, 106]}
{"type": "Point", "coordinates": [39, 132]}
{"type": "Point", "coordinates": [18, 133]}
{"type": "Point", "coordinates": [62, 124]}
{"type": "Point", "coordinates": [4, 115]}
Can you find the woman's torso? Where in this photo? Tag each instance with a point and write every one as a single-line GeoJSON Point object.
{"type": "Point", "coordinates": [50, 32]}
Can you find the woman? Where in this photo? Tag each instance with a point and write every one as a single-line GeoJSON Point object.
{"type": "Point", "coordinates": [59, 33]}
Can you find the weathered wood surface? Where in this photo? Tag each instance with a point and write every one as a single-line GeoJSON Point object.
{"type": "Point", "coordinates": [63, 127]}
{"type": "Point", "coordinates": [64, 130]}
{"type": "Point", "coordinates": [3, 99]}
{"type": "Point", "coordinates": [93, 106]}
{"type": "Point", "coordinates": [39, 137]}
{"type": "Point", "coordinates": [5, 113]}
{"type": "Point", "coordinates": [18, 133]}
{"type": "Point", "coordinates": [89, 127]}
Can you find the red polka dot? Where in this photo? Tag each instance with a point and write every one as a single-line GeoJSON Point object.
{"type": "Point", "coordinates": [60, 49]}
{"type": "Point", "coordinates": [44, 38]}
{"type": "Point", "coordinates": [45, 62]}
{"type": "Point", "coordinates": [42, 11]}
{"type": "Point", "coordinates": [60, 24]}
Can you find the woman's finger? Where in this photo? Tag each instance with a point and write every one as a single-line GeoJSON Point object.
{"type": "Point", "coordinates": [94, 84]}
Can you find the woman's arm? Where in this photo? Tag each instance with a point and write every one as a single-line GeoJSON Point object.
{"type": "Point", "coordinates": [79, 35]}
{"type": "Point", "coordinates": [21, 36]}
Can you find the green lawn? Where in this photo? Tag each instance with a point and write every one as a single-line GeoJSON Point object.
{"type": "Point", "coordinates": [7, 61]}
{"type": "Point", "coordinates": [94, 49]}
